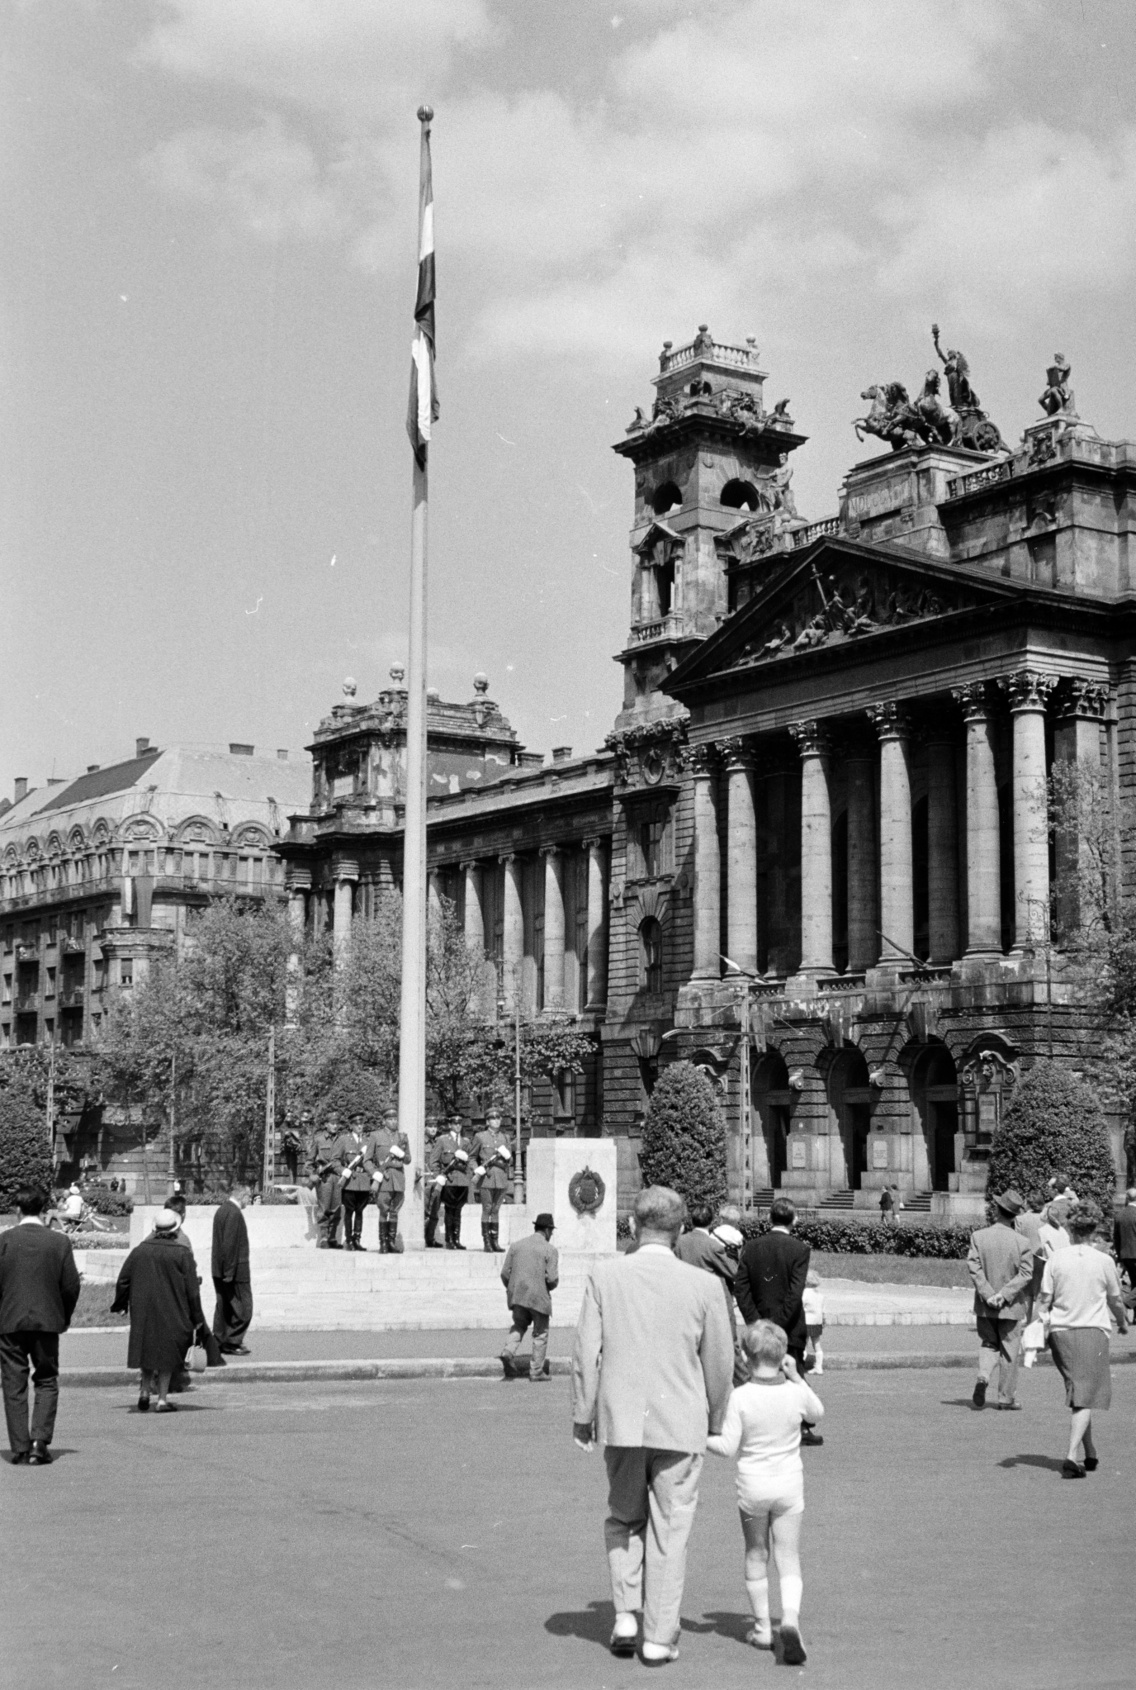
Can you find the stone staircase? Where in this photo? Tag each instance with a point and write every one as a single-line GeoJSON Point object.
{"type": "Point", "coordinates": [838, 1200]}
{"type": "Point", "coordinates": [917, 1202]}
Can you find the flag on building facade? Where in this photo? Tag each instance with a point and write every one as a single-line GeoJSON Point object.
{"type": "Point", "coordinates": [423, 408]}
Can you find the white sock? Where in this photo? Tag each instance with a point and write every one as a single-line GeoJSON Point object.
{"type": "Point", "coordinates": [758, 1592]}
{"type": "Point", "coordinates": [791, 1591]}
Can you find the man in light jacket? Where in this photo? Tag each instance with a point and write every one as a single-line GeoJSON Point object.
{"type": "Point", "coordinates": [651, 1374]}
{"type": "Point", "coordinates": [530, 1273]}
{"type": "Point", "coordinates": [1001, 1265]}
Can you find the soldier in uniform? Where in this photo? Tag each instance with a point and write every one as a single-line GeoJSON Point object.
{"type": "Point", "coordinates": [349, 1152]}
{"type": "Point", "coordinates": [435, 1184]}
{"type": "Point", "coordinates": [388, 1152]}
{"type": "Point", "coordinates": [493, 1157]}
{"type": "Point", "coordinates": [325, 1182]}
{"type": "Point", "coordinates": [453, 1150]}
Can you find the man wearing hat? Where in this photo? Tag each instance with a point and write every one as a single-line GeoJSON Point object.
{"type": "Point", "coordinates": [493, 1156]}
{"type": "Point", "coordinates": [530, 1273]}
{"type": "Point", "coordinates": [454, 1152]}
{"type": "Point", "coordinates": [435, 1184]}
{"type": "Point", "coordinates": [325, 1183]}
{"type": "Point", "coordinates": [388, 1154]}
{"type": "Point", "coordinates": [1001, 1265]}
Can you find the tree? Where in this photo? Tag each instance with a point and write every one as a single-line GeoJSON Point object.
{"type": "Point", "coordinates": [25, 1155]}
{"type": "Point", "coordinates": [684, 1136]}
{"type": "Point", "coordinates": [1053, 1123]}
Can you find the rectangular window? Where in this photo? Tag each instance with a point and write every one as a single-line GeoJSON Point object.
{"type": "Point", "coordinates": [126, 971]}
{"type": "Point", "coordinates": [49, 990]}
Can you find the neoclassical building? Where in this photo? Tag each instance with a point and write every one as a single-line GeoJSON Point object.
{"type": "Point", "coordinates": [814, 853]}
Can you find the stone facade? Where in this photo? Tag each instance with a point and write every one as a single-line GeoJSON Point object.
{"type": "Point", "coordinates": [817, 832]}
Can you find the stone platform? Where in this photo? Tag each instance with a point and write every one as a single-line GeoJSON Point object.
{"type": "Point", "coordinates": [327, 1290]}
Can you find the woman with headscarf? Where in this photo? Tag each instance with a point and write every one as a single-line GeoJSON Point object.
{"type": "Point", "coordinates": [158, 1287]}
{"type": "Point", "coordinates": [1080, 1288]}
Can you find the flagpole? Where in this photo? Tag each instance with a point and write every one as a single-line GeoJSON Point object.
{"type": "Point", "coordinates": [412, 1020]}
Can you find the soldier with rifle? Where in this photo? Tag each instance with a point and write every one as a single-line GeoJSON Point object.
{"type": "Point", "coordinates": [388, 1152]}
{"type": "Point", "coordinates": [325, 1183]}
{"type": "Point", "coordinates": [435, 1184]}
{"type": "Point", "coordinates": [493, 1156]}
{"type": "Point", "coordinates": [453, 1150]}
{"type": "Point", "coordinates": [349, 1152]}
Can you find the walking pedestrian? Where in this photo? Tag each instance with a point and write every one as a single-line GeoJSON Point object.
{"type": "Point", "coordinates": [492, 1157]}
{"type": "Point", "coordinates": [703, 1249]}
{"type": "Point", "coordinates": [812, 1299]}
{"type": "Point", "coordinates": [454, 1152]}
{"type": "Point", "coordinates": [388, 1152]}
{"type": "Point", "coordinates": [157, 1287]}
{"type": "Point", "coordinates": [1080, 1288]}
{"type": "Point", "coordinates": [887, 1206]}
{"type": "Point", "coordinates": [651, 1373]}
{"type": "Point", "coordinates": [39, 1288]}
{"type": "Point", "coordinates": [762, 1430]}
{"type": "Point", "coordinates": [1124, 1239]}
{"type": "Point", "coordinates": [1000, 1262]}
{"type": "Point", "coordinates": [232, 1275]}
{"type": "Point", "coordinates": [770, 1285]}
{"type": "Point", "coordinates": [530, 1274]}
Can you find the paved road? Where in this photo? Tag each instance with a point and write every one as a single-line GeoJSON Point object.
{"type": "Point", "coordinates": [417, 1535]}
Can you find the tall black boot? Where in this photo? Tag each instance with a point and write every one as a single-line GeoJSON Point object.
{"type": "Point", "coordinates": [447, 1223]}
{"type": "Point", "coordinates": [458, 1245]}
{"type": "Point", "coordinates": [487, 1238]}
{"type": "Point", "coordinates": [384, 1239]}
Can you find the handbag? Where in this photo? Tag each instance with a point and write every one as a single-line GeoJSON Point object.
{"type": "Point", "coordinates": [197, 1359]}
{"type": "Point", "coordinates": [1034, 1336]}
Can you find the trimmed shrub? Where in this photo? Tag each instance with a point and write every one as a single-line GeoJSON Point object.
{"type": "Point", "coordinates": [1053, 1124]}
{"type": "Point", "coordinates": [684, 1136]}
{"type": "Point", "coordinates": [104, 1201]}
{"type": "Point", "coordinates": [25, 1156]}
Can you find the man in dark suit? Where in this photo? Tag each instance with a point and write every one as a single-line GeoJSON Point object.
{"type": "Point", "coordinates": [39, 1287]}
{"type": "Point", "coordinates": [232, 1277]}
{"type": "Point", "coordinates": [770, 1283]}
{"type": "Point", "coordinates": [701, 1249]}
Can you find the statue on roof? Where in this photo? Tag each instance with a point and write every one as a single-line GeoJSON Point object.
{"type": "Point", "coordinates": [938, 420]}
{"type": "Point", "coordinates": [972, 428]}
{"type": "Point", "coordinates": [1058, 400]}
{"type": "Point", "coordinates": [892, 417]}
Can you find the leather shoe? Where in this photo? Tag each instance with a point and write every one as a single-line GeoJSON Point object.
{"type": "Point", "coordinates": [658, 1654]}
{"type": "Point", "coordinates": [978, 1398]}
{"type": "Point", "coordinates": [792, 1649]}
{"type": "Point", "coordinates": [38, 1455]}
{"type": "Point", "coordinates": [509, 1366]}
{"type": "Point", "coordinates": [1009, 1407]}
{"type": "Point", "coordinates": [1072, 1470]}
{"type": "Point", "coordinates": [20, 1458]}
{"type": "Point", "coordinates": [808, 1436]}
{"type": "Point", "coordinates": [236, 1350]}
{"type": "Point", "coordinates": [1091, 1463]}
{"type": "Point", "coordinates": [625, 1635]}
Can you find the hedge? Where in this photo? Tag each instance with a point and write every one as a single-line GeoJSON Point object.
{"type": "Point", "coordinates": [25, 1155]}
{"type": "Point", "coordinates": [864, 1238]}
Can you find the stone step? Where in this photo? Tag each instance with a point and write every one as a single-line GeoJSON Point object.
{"type": "Point", "coordinates": [839, 1200]}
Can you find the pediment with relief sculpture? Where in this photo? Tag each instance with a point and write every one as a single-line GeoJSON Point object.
{"type": "Point", "coordinates": [842, 595]}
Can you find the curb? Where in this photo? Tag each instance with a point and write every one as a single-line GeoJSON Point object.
{"type": "Point", "coordinates": [485, 1367]}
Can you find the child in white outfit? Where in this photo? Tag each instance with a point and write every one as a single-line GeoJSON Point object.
{"type": "Point", "coordinates": [763, 1429]}
{"type": "Point", "coordinates": [813, 1303]}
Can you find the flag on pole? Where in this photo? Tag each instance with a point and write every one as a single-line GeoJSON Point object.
{"type": "Point", "coordinates": [423, 408]}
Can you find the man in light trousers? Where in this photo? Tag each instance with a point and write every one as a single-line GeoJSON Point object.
{"type": "Point", "coordinates": [651, 1375]}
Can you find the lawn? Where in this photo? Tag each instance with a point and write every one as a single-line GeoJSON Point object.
{"type": "Point", "coordinates": [890, 1270]}
{"type": "Point", "coordinates": [94, 1306]}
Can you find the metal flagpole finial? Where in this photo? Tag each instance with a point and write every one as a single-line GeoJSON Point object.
{"type": "Point", "coordinates": [425, 114]}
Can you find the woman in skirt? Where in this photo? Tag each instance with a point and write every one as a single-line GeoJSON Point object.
{"type": "Point", "coordinates": [1079, 1288]}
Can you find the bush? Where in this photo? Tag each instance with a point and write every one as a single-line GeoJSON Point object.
{"type": "Point", "coordinates": [684, 1136]}
{"type": "Point", "coordinates": [354, 1091]}
{"type": "Point", "coordinates": [25, 1155]}
{"type": "Point", "coordinates": [106, 1202]}
{"type": "Point", "coordinates": [1053, 1124]}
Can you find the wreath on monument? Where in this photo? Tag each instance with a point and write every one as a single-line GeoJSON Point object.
{"type": "Point", "coordinates": [586, 1191]}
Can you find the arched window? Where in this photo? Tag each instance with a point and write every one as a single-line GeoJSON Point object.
{"type": "Point", "coordinates": [651, 955]}
{"type": "Point", "coordinates": [739, 495]}
{"type": "Point", "coordinates": [665, 498]}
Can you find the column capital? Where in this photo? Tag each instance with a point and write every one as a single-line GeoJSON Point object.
{"type": "Point", "coordinates": [890, 720]}
{"type": "Point", "coordinates": [593, 843]}
{"type": "Point", "coordinates": [811, 737]}
{"type": "Point", "coordinates": [1082, 699]}
{"type": "Point", "coordinates": [468, 863]}
{"type": "Point", "coordinates": [703, 761]}
{"type": "Point", "coordinates": [508, 856]}
{"type": "Point", "coordinates": [298, 880]}
{"type": "Point", "coordinates": [736, 752]}
{"type": "Point", "coordinates": [972, 701]}
{"type": "Point", "coordinates": [344, 868]}
{"type": "Point", "coordinates": [551, 850]}
{"type": "Point", "coordinates": [1027, 689]}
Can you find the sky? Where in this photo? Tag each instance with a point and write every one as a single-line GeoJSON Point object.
{"type": "Point", "coordinates": [207, 281]}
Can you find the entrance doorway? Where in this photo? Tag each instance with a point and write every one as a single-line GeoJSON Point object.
{"type": "Point", "coordinates": [771, 1101]}
{"type": "Point", "coordinates": [850, 1103]}
{"type": "Point", "coordinates": [936, 1100]}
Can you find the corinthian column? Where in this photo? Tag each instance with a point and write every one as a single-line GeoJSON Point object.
{"type": "Point", "coordinates": [596, 999]}
{"type": "Point", "coordinates": [1028, 692]}
{"type": "Point", "coordinates": [983, 866]}
{"type": "Point", "coordinates": [863, 914]}
{"type": "Point", "coordinates": [816, 848]}
{"type": "Point", "coordinates": [741, 856]}
{"type": "Point", "coordinates": [707, 868]}
{"type": "Point", "coordinates": [512, 931]}
{"type": "Point", "coordinates": [942, 848]}
{"type": "Point", "coordinates": [1084, 876]}
{"type": "Point", "coordinates": [553, 928]}
{"type": "Point", "coordinates": [897, 905]}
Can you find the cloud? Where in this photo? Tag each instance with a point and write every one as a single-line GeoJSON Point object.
{"type": "Point", "coordinates": [691, 165]}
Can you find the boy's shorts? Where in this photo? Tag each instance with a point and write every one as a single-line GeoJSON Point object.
{"type": "Point", "coordinates": [814, 1332]}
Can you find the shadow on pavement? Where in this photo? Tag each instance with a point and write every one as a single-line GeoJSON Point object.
{"type": "Point", "coordinates": [56, 1454]}
{"type": "Point", "coordinates": [733, 1625]}
{"type": "Point", "coordinates": [961, 1402]}
{"type": "Point", "coordinates": [592, 1623]}
{"type": "Point", "coordinates": [1050, 1461]}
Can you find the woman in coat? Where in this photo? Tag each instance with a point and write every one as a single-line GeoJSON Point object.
{"type": "Point", "coordinates": [1080, 1288]}
{"type": "Point", "coordinates": [158, 1286]}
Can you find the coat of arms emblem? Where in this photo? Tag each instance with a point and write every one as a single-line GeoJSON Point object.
{"type": "Point", "coordinates": [586, 1191]}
